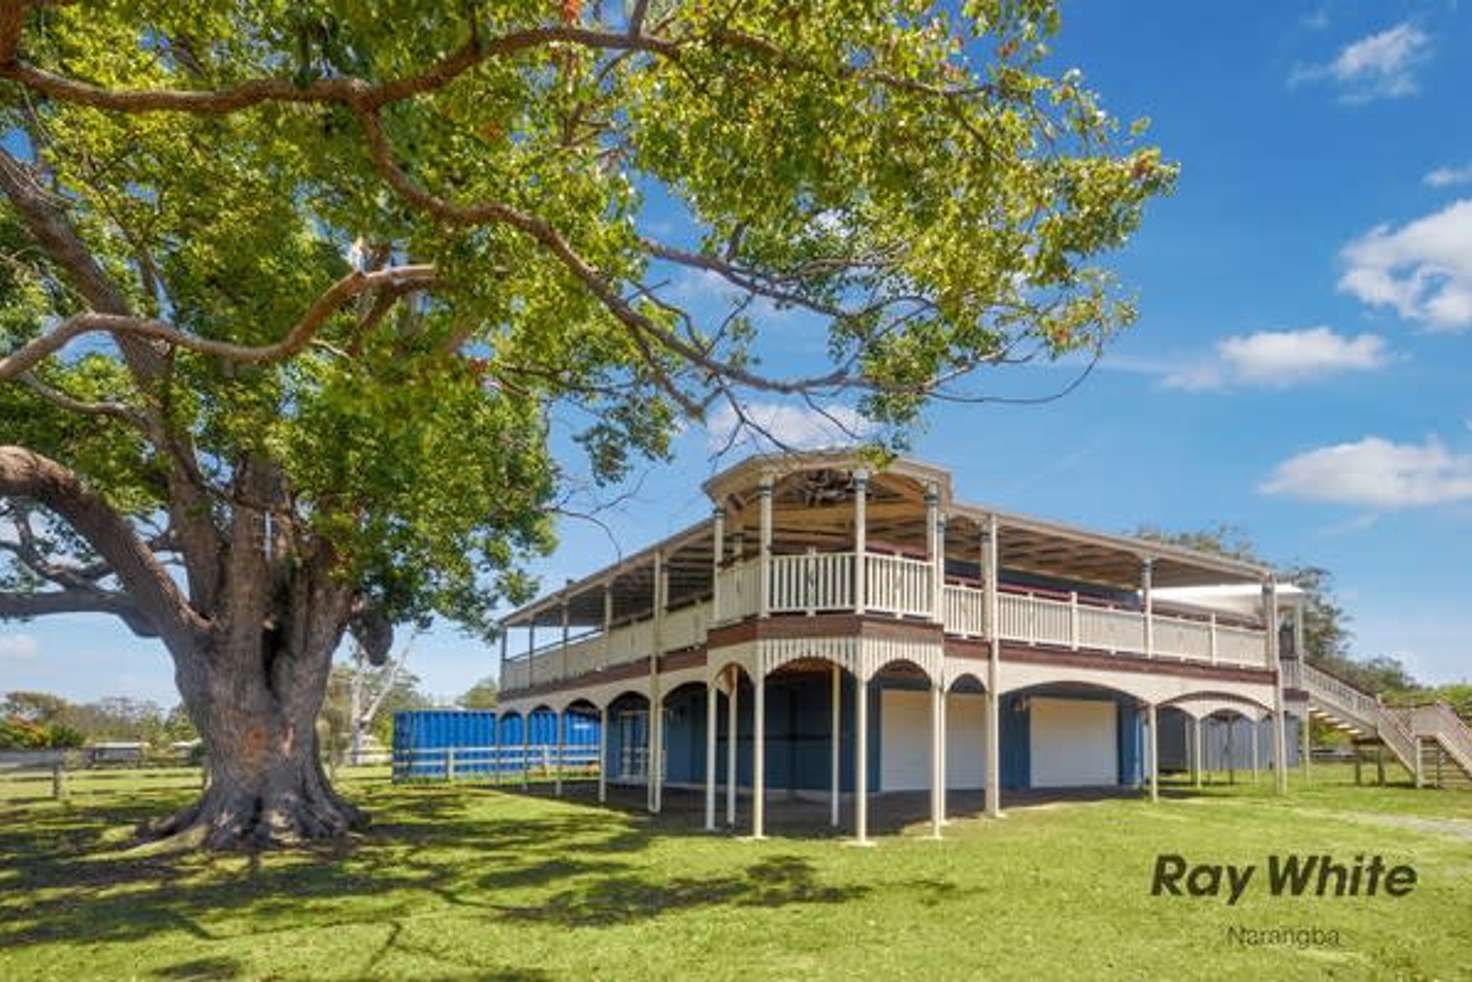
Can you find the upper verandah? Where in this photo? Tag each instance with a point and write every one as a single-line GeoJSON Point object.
{"type": "Point", "coordinates": [813, 501]}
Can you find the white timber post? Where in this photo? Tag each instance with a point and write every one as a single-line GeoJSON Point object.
{"type": "Point", "coordinates": [934, 760]}
{"type": "Point", "coordinates": [602, 754]}
{"type": "Point", "coordinates": [607, 623]}
{"type": "Point", "coordinates": [1211, 636]}
{"type": "Point", "coordinates": [711, 708]}
{"type": "Point", "coordinates": [759, 754]}
{"type": "Point", "coordinates": [861, 759]}
{"type": "Point", "coordinates": [531, 648]}
{"type": "Point", "coordinates": [764, 550]}
{"type": "Point", "coordinates": [990, 545]}
{"type": "Point", "coordinates": [717, 554]}
{"type": "Point", "coordinates": [836, 729]}
{"type": "Point", "coordinates": [1256, 736]}
{"type": "Point", "coordinates": [1196, 762]}
{"type": "Point", "coordinates": [732, 723]}
{"type": "Point", "coordinates": [810, 582]}
{"type": "Point", "coordinates": [1280, 723]}
{"type": "Point", "coordinates": [1298, 627]}
{"type": "Point", "coordinates": [449, 765]}
{"type": "Point", "coordinates": [1147, 566]}
{"type": "Point", "coordinates": [861, 540]}
{"type": "Point", "coordinates": [565, 633]}
{"type": "Point", "coordinates": [1073, 619]}
{"type": "Point", "coordinates": [664, 602]}
{"type": "Point", "coordinates": [1420, 770]}
{"type": "Point", "coordinates": [656, 704]}
{"type": "Point", "coordinates": [1154, 752]}
{"type": "Point", "coordinates": [501, 673]}
{"type": "Point", "coordinates": [932, 550]}
{"type": "Point", "coordinates": [941, 767]}
{"type": "Point", "coordinates": [1303, 724]}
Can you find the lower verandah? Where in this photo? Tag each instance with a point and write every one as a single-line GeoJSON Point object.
{"type": "Point", "coordinates": [1052, 737]}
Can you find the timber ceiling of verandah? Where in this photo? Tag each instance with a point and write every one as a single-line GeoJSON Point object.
{"type": "Point", "coordinates": [815, 509]}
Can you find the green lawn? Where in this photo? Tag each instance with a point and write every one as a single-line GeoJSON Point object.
{"type": "Point", "coordinates": [477, 883]}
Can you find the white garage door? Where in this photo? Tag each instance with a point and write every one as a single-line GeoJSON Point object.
{"type": "Point", "coordinates": [965, 740]}
{"type": "Point", "coordinates": [904, 755]}
{"type": "Point", "coordinates": [904, 761]}
{"type": "Point", "coordinates": [1073, 743]}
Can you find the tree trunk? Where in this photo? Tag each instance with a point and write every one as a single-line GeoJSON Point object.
{"type": "Point", "coordinates": [266, 782]}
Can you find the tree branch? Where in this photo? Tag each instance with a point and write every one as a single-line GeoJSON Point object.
{"type": "Point", "coordinates": [26, 474]}
{"type": "Point", "coordinates": [327, 303]}
{"type": "Point", "coordinates": [75, 601]}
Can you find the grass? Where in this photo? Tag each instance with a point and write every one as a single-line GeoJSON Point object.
{"type": "Point", "coordinates": [473, 882]}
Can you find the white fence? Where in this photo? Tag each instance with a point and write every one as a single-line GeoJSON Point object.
{"type": "Point", "coordinates": [495, 763]}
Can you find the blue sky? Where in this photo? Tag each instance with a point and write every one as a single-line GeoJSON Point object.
{"type": "Point", "coordinates": [1300, 367]}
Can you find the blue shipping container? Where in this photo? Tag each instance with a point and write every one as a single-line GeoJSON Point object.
{"type": "Point", "coordinates": [439, 744]}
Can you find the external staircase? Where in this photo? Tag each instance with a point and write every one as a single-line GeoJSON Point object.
{"type": "Point", "coordinates": [1430, 741]}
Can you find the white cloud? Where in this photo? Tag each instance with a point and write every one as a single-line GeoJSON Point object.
{"type": "Point", "coordinates": [1445, 177]}
{"type": "Point", "coordinates": [1316, 20]}
{"type": "Point", "coordinates": [1376, 473]}
{"type": "Point", "coordinates": [18, 646]}
{"type": "Point", "coordinates": [1422, 270]}
{"type": "Point", "coordinates": [1281, 358]}
{"type": "Point", "coordinates": [1381, 66]}
{"type": "Point", "coordinates": [790, 426]}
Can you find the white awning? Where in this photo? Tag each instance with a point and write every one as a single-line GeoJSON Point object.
{"type": "Point", "coordinates": [1242, 599]}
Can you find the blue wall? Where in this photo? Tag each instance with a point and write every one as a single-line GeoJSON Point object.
{"type": "Point", "coordinates": [798, 715]}
{"type": "Point", "coordinates": [1174, 754]}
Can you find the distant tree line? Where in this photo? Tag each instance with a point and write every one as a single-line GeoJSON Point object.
{"type": "Point", "coordinates": [40, 720]}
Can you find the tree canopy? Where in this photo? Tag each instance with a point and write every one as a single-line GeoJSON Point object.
{"type": "Point", "coordinates": [291, 290]}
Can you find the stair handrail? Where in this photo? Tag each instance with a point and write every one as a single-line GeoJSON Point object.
{"type": "Point", "coordinates": [1439, 720]}
{"type": "Point", "coordinates": [1388, 726]}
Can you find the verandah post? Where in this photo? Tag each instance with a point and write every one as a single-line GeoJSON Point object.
{"type": "Point", "coordinates": [731, 744]}
{"type": "Point", "coordinates": [990, 546]}
{"type": "Point", "coordinates": [710, 754]}
{"type": "Point", "coordinates": [1147, 594]}
{"type": "Point", "coordinates": [1154, 751]}
{"type": "Point", "coordinates": [1274, 662]}
{"type": "Point", "coordinates": [717, 550]}
{"type": "Point", "coordinates": [861, 540]}
{"type": "Point", "coordinates": [758, 755]}
{"type": "Point", "coordinates": [602, 754]}
{"type": "Point", "coordinates": [837, 731]}
{"type": "Point", "coordinates": [861, 751]}
{"type": "Point", "coordinates": [764, 547]}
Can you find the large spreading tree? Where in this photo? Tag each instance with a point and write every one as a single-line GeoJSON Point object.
{"type": "Point", "coordinates": [289, 292]}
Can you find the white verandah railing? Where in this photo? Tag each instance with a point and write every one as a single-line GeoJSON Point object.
{"type": "Point", "coordinates": [818, 582]}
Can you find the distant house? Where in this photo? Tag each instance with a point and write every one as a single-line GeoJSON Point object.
{"type": "Point", "coordinates": [116, 752]}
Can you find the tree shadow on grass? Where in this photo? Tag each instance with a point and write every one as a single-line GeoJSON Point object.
{"type": "Point", "coordinates": [610, 900]}
{"type": "Point", "coordinates": [67, 877]}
